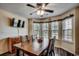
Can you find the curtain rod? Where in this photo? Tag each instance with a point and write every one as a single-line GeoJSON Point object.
{"type": "Point", "coordinates": [71, 15]}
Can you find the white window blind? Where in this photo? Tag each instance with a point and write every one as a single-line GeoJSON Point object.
{"type": "Point", "coordinates": [54, 29]}
{"type": "Point", "coordinates": [67, 29]}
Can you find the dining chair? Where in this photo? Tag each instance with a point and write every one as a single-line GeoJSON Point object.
{"type": "Point", "coordinates": [50, 48]}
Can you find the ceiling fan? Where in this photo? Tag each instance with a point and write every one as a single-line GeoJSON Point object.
{"type": "Point", "coordinates": [40, 8]}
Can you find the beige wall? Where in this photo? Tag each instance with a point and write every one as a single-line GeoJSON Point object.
{"type": "Point", "coordinates": [7, 31]}
{"type": "Point", "coordinates": [30, 22]}
{"type": "Point", "coordinates": [59, 41]}
{"type": "Point", "coordinates": [77, 30]}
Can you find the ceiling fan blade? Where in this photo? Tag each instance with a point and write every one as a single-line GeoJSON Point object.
{"type": "Point", "coordinates": [46, 4]}
{"type": "Point", "coordinates": [30, 5]}
{"type": "Point", "coordinates": [47, 10]}
{"type": "Point", "coordinates": [39, 4]}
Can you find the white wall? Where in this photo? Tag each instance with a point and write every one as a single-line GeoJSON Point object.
{"type": "Point", "coordinates": [6, 30]}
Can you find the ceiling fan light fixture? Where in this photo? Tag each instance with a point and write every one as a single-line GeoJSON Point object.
{"type": "Point", "coordinates": [40, 12]}
{"type": "Point", "coordinates": [43, 6]}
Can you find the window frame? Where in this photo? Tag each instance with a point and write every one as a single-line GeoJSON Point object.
{"type": "Point", "coordinates": [68, 29]}
{"type": "Point", "coordinates": [36, 30]}
{"type": "Point", "coordinates": [55, 30]}
{"type": "Point", "coordinates": [45, 30]}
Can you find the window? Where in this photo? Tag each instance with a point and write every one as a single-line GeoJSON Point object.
{"type": "Point", "coordinates": [67, 29]}
{"type": "Point", "coordinates": [36, 30]}
{"type": "Point", "coordinates": [45, 30]}
{"type": "Point", "coordinates": [41, 30]}
{"type": "Point", "coordinates": [54, 29]}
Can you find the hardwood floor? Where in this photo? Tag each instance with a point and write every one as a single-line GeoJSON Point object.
{"type": "Point", "coordinates": [58, 52]}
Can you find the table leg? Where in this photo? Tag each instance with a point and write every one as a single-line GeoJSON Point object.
{"type": "Point", "coordinates": [23, 53]}
{"type": "Point", "coordinates": [17, 52]}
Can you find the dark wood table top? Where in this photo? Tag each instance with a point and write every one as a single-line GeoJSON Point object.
{"type": "Point", "coordinates": [34, 48]}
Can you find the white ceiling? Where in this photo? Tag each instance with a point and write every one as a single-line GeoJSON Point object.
{"type": "Point", "coordinates": [23, 10]}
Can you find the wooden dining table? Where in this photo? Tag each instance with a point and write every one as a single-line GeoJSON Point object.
{"type": "Point", "coordinates": [31, 48]}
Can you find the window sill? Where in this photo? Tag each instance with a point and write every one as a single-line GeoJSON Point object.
{"type": "Point", "coordinates": [67, 41]}
{"type": "Point", "coordinates": [57, 39]}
